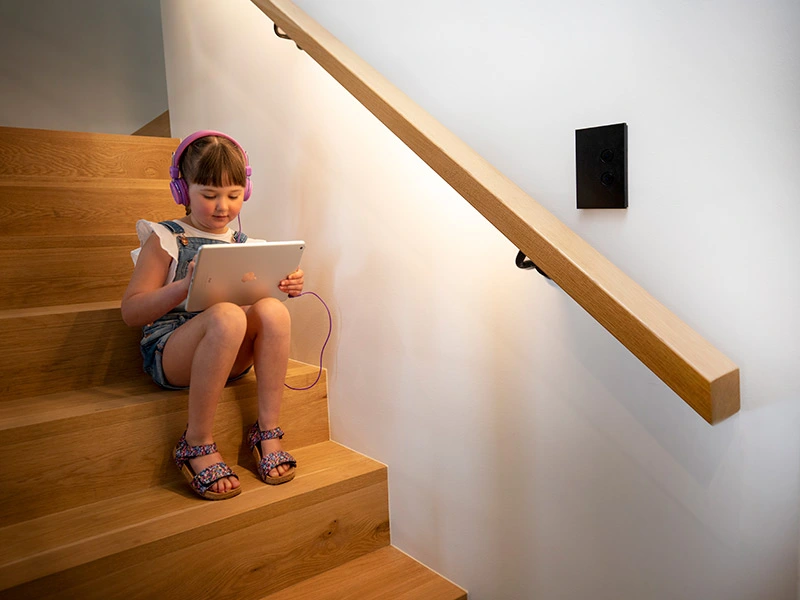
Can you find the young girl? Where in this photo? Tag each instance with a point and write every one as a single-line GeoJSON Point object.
{"type": "Point", "coordinates": [204, 350]}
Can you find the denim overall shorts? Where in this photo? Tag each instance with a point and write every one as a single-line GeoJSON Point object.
{"type": "Point", "coordinates": [156, 334]}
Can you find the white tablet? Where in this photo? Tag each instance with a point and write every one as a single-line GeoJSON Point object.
{"type": "Point", "coordinates": [241, 273]}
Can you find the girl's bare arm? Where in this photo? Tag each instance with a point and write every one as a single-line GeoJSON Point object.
{"type": "Point", "coordinates": [147, 298]}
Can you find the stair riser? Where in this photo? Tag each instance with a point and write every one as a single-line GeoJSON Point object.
{"type": "Point", "coordinates": [63, 275]}
{"type": "Point", "coordinates": [116, 452]}
{"type": "Point", "coordinates": [68, 351]}
{"type": "Point", "coordinates": [86, 209]}
{"type": "Point", "coordinates": [228, 561]}
{"type": "Point", "coordinates": [38, 153]}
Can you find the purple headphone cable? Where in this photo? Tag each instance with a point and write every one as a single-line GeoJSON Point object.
{"type": "Point", "coordinates": [330, 329]}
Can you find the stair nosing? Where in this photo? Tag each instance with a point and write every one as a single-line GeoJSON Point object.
{"type": "Point", "coordinates": [34, 182]}
{"type": "Point", "coordinates": [23, 242]}
{"type": "Point", "coordinates": [59, 309]}
{"type": "Point", "coordinates": [85, 135]}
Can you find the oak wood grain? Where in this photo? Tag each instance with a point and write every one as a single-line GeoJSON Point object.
{"type": "Point", "coordinates": [111, 518]}
{"type": "Point", "coordinates": [131, 547]}
{"type": "Point", "coordinates": [697, 371]}
{"type": "Point", "coordinates": [46, 153]}
{"type": "Point", "coordinates": [60, 348]}
{"type": "Point", "coordinates": [384, 573]}
{"type": "Point", "coordinates": [26, 419]}
{"type": "Point", "coordinates": [84, 207]}
{"type": "Point", "coordinates": [43, 270]}
{"type": "Point", "coordinates": [158, 127]}
{"type": "Point", "coordinates": [115, 440]}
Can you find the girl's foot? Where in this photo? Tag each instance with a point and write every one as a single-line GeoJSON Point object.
{"type": "Point", "coordinates": [202, 466]}
{"type": "Point", "coordinates": [220, 486]}
{"type": "Point", "coordinates": [275, 466]}
{"type": "Point", "coordinates": [274, 445]}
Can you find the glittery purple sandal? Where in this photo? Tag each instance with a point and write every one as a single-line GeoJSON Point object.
{"type": "Point", "coordinates": [273, 459]}
{"type": "Point", "coordinates": [202, 481]}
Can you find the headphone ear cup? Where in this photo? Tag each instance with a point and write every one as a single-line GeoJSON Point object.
{"type": "Point", "coordinates": [248, 189]}
{"type": "Point", "coordinates": [179, 191]}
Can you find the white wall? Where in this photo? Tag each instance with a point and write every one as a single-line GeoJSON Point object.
{"type": "Point", "coordinates": [530, 455]}
{"type": "Point", "coordinates": [83, 65]}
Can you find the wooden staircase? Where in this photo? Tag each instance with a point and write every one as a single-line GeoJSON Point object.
{"type": "Point", "coordinates": [91, 505]}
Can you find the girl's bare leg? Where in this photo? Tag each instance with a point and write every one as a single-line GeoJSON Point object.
{"type": "Point", "coordinates": [266, 346]}
{"type": "Point", "coordinates": [201, 354]}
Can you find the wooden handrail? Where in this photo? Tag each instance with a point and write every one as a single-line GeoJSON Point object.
{"type": "Point", "coordinates": [699, 373]}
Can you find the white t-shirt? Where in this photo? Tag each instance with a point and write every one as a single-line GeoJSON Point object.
{"type": "Point", "coordinates": [144, 229]}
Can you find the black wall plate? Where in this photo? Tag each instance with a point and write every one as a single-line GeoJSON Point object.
{"type": "Point", "coordinates": [601, 166]}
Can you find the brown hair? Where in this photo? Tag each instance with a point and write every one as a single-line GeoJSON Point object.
{"type": "Point", "coordinates": [215, 161]}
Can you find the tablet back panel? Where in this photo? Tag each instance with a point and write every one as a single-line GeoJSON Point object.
{"type": "Point", "coordinates": [241, 273]}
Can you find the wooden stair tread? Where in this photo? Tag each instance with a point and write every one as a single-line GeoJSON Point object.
{"type": "Point", "coordinates": [96, 428]}
{"type": "Point", "coordinates": [93, 405]}
{"type": "Point", "coordinates": [50, 408]}
{"type": "Point", "coordinates": [68, 136]}
{"type": "Point", "coordinates": [384, 573]}
{"type": "Point", "coordinates": [171, 516]}
{"type": "Point", "coordinates": [56, 310]}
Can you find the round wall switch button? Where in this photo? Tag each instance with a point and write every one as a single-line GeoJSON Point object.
{"type": "Point", "coordinates": [607, 178]}
{"type": "Point", "coordinates": [607, 155]}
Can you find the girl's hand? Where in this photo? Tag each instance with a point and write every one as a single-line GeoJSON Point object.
{"type": "Point", "coordinates": [186, 281]}
{"type": "Point", "coordinates": [293, 284]}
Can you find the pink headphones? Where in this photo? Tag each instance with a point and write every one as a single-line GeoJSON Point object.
{"type": "Point", "coordinates": [178, 187]}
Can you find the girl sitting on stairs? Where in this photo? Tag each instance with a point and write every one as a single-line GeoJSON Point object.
{"type": "Point", "coordinates": [205, 350]}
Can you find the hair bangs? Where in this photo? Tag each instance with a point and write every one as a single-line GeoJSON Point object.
{"type": "Point", "coordinates": [216, 162]}
{"type": "Point", "coordinates": [221, 166]}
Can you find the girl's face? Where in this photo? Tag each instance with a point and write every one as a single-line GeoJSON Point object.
{"type": "Point", "coordinates": [214, 207]}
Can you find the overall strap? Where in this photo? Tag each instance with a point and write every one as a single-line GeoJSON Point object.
{"type": "Point", "coordinates": [239, 237]}
{"type": "Point", "coordinates": [172, 226]}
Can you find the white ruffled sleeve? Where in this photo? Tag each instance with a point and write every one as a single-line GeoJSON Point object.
{"type": "Point", "coordinates": [144, 229]}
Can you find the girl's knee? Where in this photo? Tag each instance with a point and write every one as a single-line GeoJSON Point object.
{"type": "Point", "coordinates": [271, 314]}
{"type": "Point", "coordinates": [226, 318]}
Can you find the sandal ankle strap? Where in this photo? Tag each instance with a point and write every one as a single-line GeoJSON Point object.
{"type": "Point", "coordinates": [183, 451]}
{"type": "Point", "coordinates": [257, 435]}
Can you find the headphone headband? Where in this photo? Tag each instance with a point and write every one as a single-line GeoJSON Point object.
{"type": "Point", "coordinates": [180, 191]}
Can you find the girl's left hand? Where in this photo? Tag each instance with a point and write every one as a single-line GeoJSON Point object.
{"type": "Point", "coordinates": [293, 284]}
